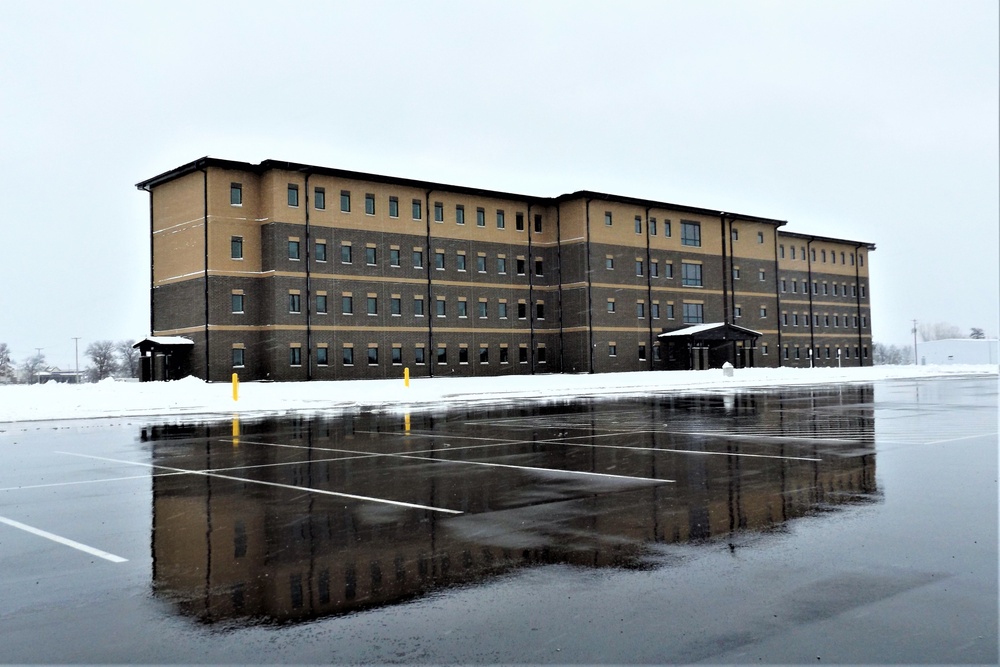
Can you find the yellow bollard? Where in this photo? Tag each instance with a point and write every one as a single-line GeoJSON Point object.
{"type": "Point", "coordinates": [236, 387]}
{"type": "Point", "coordinates": [236, 431]}
{"type": "Point", "coordinates": [406, 383]}
{"type": "Point", "coordinates": [406, 421]}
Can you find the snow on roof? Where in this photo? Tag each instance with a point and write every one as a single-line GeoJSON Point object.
{"type": "Point", "coordinates": [698, 328]}
{"type": "Point", "coordinates": [166, 340]}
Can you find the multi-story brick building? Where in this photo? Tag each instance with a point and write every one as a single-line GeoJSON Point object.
{"type": "Point", "coordinates": [295, 272]}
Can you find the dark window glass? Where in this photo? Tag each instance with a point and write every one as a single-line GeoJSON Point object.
{"type": "Point", "coordinates": [238, 356]}
{"type": "Point", "coordinates": [694, 313]}
{"type": "Point", "coordinates": [347, 305]}
{"type": "Point", "coordinates": [500, 220]}
{"type": "Point", "coordinates": [348, 356]}
{"type": "Point", "coordinates": [293, 250]}
{"type": "Point", "coordinates": [295, 356]}
{"type": "Point", "coordinates": [236, 194]}
{"type": "Point", "coordinates": [691, 274]}
{"type": "Point", "coordinates": [418, 355]}
{"type": "Point", "coordinates": [345, 201]}
{"type": "Point", "coordinates": [393, 256]}
{"type": "Point", "coordinates": [438, 212]}
{"type": "Point", "coordinates": [418, 307]}
{"type": "Point", "coordinates": [397, 356]}
{"type": "Point", "coordinates": [417, 210]}
{"type": "Point", "coordinates": [322, 356]}
{"type": "Point", "coordinates": [237, 303]}
{"type": "Point", "coordinates": [691, 233]}
{"type": "Point", "coordinates": [294, 303]}
{"type": "Point", "coordinates": [236, 247]}
{"type": "Point", "coordinates": [519, 222]}
{"type": "Point", "coordinates": [321, 303]}
{"type": "Point", "coordinates": [370, 204]}
{"type": "Point", "coordinates": [321, 252]}
{"type": "Point", "coordinates": [393, 207]}
{"type": "Point", "coordinates": [346, 254]}
{"type": "Point", "coordinates": [370, 256]}
{"type": "Point", "coordinates": [373, 356]}
{"type": "Point", "coordinates": [418, 259]}
{"type": "Point", "coordinates": [293, 195]}
{"type": "Point", "coordinates": [460, 214]}
{"type": "Point", "coordinates": [372, 305]}
{"type": "Point", "coordinates": [319, 198]}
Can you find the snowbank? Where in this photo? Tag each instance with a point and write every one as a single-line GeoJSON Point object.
{"type": "Point", "coordinates": [194, 397]}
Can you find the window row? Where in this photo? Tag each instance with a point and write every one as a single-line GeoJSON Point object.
{"type": "Point", "coordinates": [837, 289]}
{"type": "Point", "coordinates": [824, 320]}
{"type": "Point", "coordinates": [825, 352]}
{"type": "Point", "coordinates": [482, 306]}
{"type": "Point", "coordinates": [418, 354]}
{"type": "Point", "coordinates": [845, 257]}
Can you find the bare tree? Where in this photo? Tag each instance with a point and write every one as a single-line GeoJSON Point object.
{"type": "Point", "coordinates": [102, 355]}
{"type": "Point", "coordinates": [128, 359]}
{"type": "Point", "coordinates": [30, 368]}
{"type": "Point", "coordinates": [6, 365]}
{"type": "Point", "coordinates": [977, 333]}
{"type": "Point", "coordinates": [891, 355]}
{"type": "Point", "coordinates": [938, 331]}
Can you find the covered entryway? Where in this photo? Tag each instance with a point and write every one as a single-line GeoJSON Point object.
{"type": "Point", "coordinates": [164, 357]}
{"type": "Point", "coordinates": [702, 346]}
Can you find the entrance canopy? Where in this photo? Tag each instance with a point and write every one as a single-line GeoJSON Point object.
{"type": "Point", "coordinates": [164, 357]}
{"type": "Point", "coordinates": [701, 346]}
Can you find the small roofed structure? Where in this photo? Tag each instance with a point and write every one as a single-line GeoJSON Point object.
{"type": "Point", "coordinates": [702, 346]}
{"type": "Point", "coordinates": [164, 357]}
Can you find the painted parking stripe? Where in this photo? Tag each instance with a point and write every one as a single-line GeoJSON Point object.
{"type": "Point", "coordinates": [63, 540]}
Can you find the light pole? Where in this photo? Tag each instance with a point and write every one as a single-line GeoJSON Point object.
{"type": "Point", "coordinates": [76, 346]}
{"type": "Point", "coordinates": [915, 363]}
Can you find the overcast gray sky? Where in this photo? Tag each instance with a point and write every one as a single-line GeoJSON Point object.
{"type": "Point", "coordinates": [871, 120]}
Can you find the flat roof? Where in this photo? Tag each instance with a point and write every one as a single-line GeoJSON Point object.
{"type": "Point", "coordinates": [829, 239]}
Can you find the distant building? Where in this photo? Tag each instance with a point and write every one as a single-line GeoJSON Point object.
{"type": "Point", "coordinates": [959, 351]}
{"type": "Point", "coordinates": [61, 377]}
{"type": "Point", "coordinates": [289, 271]}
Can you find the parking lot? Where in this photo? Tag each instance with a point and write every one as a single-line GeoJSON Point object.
{"type": "Point", "coordinates": [853, 523]}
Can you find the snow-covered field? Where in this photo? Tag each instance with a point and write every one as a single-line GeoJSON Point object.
{"type": "Point", "coordinates": [194, 397]}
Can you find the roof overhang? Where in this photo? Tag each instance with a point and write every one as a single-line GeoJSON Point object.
{"type": "Point", "coordinates": [712, 331]}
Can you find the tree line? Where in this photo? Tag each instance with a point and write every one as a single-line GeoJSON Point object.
{"type": "Point", "coordinates": [107, 359]}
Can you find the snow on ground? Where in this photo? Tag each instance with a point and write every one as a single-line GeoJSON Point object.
{"type": "Point", "coordinates": [191, 396]}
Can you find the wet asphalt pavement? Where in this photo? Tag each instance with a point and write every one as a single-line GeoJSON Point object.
{"type": "Point", "coordinates": [828, 524]}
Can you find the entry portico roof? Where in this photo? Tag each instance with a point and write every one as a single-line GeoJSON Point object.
{"type": "Point", "coordinates": [153, 341]}
{"type": "Point", "coordinates": [711, 330]}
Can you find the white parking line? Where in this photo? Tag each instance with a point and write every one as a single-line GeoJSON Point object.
{"type": "Point", "coordinates": [63, 540]}
{"type": "Point", "coordinates": [292, 487]}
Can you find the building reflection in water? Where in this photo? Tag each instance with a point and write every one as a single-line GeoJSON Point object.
{"type": "Point", "coordinates": [250, 542]}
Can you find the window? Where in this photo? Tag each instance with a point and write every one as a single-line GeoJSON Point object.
{"type": "Point", "coordinates": [786, 352]}
{"type": "Point", "coordinates": [373, 356]}
{"type": "Point", "coordinates": [501, 265]}
{"type": "Point", "coordinates": [638, 267]}
{"type": "Point", "coordinates": [763, 312]}
{"type": "Point", "coordinates": [760, 237]}
{"type": "Point", "coordinates": [372, 305]}
{"type": "Point", "coordinates": [348, 356]}
{"type": "Point", "coordinates": [797, 352]}
{"type": "Point", "coordinates": [395, 306]}
{"type": "Point", "coordinates": [654, 268]}
{"type": "Point", "coordinates": [654, 310]}
{"type": "Point", "coordinates": [442, 307]}
{"type": "Point", "coordinates": [640, 310]}
{"type": "Point", "coordinates": [642, 352]}
{"type": "Point", "coordinates": [484, 355]}
{"type": "Point", "coordinates": [670, 311]}
{"type": "Point", "coordinates": [417, 210]}
{"type": "Point", "coordinates": [784, 285]}
{"type": "Point", "coordinates": [346, 254]}
{"type": "Point", "coordinates": [538, 267]}
{"type": "Point", "coordinates": [397, 356]}
{"type": "Point", "coordinates": [480, 217]}
{"type": "Point", "coordinates": [691, 233]}
{"type": "Point", "coordinates": [293, 197]}
{"type": "Point", "coordinates": [861, 262]}
{"type": "Point", "coordinates": [607, 218]}
{"type": "Point", "coordinates": [694, 313]}
{"type": "Point", "coordinates": [439, 260]}
{"type": "Point", "coordinates": [826, 289]}
{"type": "Point", "coordinates": [500, 220]}
{"type": "Point", "coordinates": [781, 251]}
{"type": "Point", "coordinates": [321, 306]}
{"type": "Point", "coordinates": [319, 198]}
{"type": "Point", "coordinates": [538, 224]}
{"type": "Point", "coordinates": [854, 290]}
{"type": "Point", "coordinates": [369, 204]}
{"type": "Point", "coordinates": [438, 212]}
{"type": "Point", "coordinates": [737, 311]}
{"type": "Point", "coordinates": [762, 275]}
{"type": "Point", "coordinates": [481, 310]}
{"type": "Point", "coordinates": [459, 214]}
{"type": "Point", "coordinates": [611, 305]}
{"type": "Point", "coordinates": [345, 201]}
{"type": "Point", "coordinates": [666, 228]}
{"type": "Point", "coordinates": [393, 207]}
{"type": "Point", "coordinates": [835, 289]}
{"type": "Point", "coordinates": [522, 310]}
{"type": "Point", "coordinates": [612, 350]}
{"type": "Point", "coordinates": [638, 224]}
{"type": "Point", "coordinates": [735, 233]}
{"type": "Point", "coordinates": [442, 355]}
{"type": "Point", "coordinates": [502, 309]}
{"type": "Point", "coordinates": [293, 249]}
{"type": "Point", "coordinates": [295, 356]}
{"type": "Point", "coordinates": [320, 251]}
{"type": "Point", "coordinates": [418, 306]}
{"type": "Point", "coordinates": [784, 319]}
{"type": "Point", "coordinates": [519, 222]}
{"type": "Point", "coordinates": [795, 319]}
{"type": "Point", "coordinates": [668, 270]}
{"type": "Point", "coordinates": [239, 357]}
{"type": "Point", "coordinates": [394, 257]}
{"type": "Point", "coordinates": [522, 354]}
{"type": "Point", "coordinates": [347, 305]}
{"type": "Point", "coordinates": [763, 349]}
{"type": "Point", "coordinates": [540, 310]}
{"type": "Point", "coordinates": [463, 308]}
{"type": "Point", "coordinates": [504, 355]}
{"type": "Point", "coordinates": [418, 259]}
{"type": "Point", "coordinates": [419, 357]}
{"type": "Point", "coordinates": [792, 252]}
{"type": "Point", "coordinates": [609, 263]}
{"type": "Point", "coordinates": [236, 198]}
{"type": "Point", "coordinates": [652, 226]}
{"type": "Point", "coordinates": [656, 352]}
{"type": "Point", "coordinates": [862, 291]}
{"type": "Point", "coordinates": [812, 253]}
{"type": "Point", "coordinates": [481, 263]}
{"type": "Point", "coordinates": [295, 303]}
{"type": "Point", "coordinates": [519, 263]}
{"type": "Point", "coordinates": [463, 355]}
{"type": "Point", "coordinates": [736, 273]}
{"type": "Point", "coordinates": [815, 287]}
{"type": "Point", "coordinates": [237, 302]}
{"type": "Point", "coordinates": [236, 247]}
{"type": "Point", "coordinates": [795, 287]}
{"type": "Point", "coordinates": [370, 256]}
{"type": "Point", "coordinates": [322, 356]}
{"type": "Point", "coordinates": [691, 274]}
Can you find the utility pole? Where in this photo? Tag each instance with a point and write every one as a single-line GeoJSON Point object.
{"type": "Point", "coordinates": [915, 362]}
{"type": "Point", "coordinates": [38, 353]}
{"type": "Point", "coordinates": [76, 346]}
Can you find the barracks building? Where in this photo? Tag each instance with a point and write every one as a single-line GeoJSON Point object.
{"type": "Point", "coordinates": [285, 271]}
